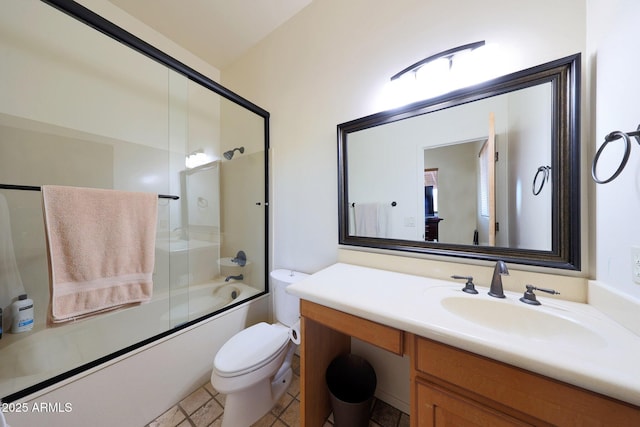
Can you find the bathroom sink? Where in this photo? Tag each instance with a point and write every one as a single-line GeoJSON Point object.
{"type": "Point", "coordinates": [513, 319]}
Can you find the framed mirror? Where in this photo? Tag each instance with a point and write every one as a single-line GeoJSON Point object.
{"type": "Point", "coordinates": [487, 172]}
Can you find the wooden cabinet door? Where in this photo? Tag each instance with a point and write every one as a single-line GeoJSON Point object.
{"type": "Point", "coordinates": [530, 396]}
{"type": "Point", "coordinates": [438, 407]}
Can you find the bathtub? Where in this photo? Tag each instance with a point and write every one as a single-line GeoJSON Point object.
{"type": "Point", "coordinates": [200, 299]}
{"type": "Point", "coordinates": [32, 357]}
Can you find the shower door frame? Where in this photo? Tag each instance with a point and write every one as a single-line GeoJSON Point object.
{"type": "Point", "coordinates": [90, 18]}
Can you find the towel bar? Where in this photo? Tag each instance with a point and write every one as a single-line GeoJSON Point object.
{"type": "Point", "coordinates": [34, 188]}
{"type": "Point", "coordinates": [394, 204]}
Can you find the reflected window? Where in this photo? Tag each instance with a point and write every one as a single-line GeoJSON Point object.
{"type": "Point", "coordinates": [483, 179]}
{"type": "Point", "coordinates": [430, 192]}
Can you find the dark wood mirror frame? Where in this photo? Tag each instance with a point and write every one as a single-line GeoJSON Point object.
{"type": "Point", "coordinates": [564, 76]}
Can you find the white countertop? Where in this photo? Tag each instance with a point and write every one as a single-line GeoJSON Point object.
{"type": "Point", "coordinates": [587, 349]}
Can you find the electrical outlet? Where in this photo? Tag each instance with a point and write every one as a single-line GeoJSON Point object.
{"type": "Point", "coordinates": [635, 263]}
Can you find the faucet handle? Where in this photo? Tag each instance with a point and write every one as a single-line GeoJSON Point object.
{"type": "Point", "coordinates": [240, 259]}
{"type": "Point", "coordinates": [469, 287]}
{"type": "Point", "coordinates": [530, 298]}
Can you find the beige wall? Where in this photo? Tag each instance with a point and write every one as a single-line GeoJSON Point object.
{"type": "Point", "coordinates": [614, 91]}
{"type": "Point", "coordinates": [330, 64]}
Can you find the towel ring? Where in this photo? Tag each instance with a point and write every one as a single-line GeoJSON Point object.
{"type": "Point", "coordinates": [545, 170]}
{"type": "Point", "coordinates": [613, 136]}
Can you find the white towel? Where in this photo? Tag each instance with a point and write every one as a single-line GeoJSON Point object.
{"type": "Point", "coordinates": [366, 219]}
{"type": "Point", "coordinates": [101, 252]}
{"type": "Point", "coordinates": [372, 219]}
{"type": "Point", "coordinates": [10, 282]}
{"type": "Point", "coordinates": [384, 219]}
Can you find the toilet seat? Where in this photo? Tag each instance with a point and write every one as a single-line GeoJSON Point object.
{"type": "Point", "coordinates": [251, 349]}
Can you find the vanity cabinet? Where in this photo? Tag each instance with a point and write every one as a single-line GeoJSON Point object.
{"type": "Point", "coordinates": [441, 407]}
{"type": "Point", "coordinates": [326, 333]}
{"type": "Point", "coordinates": [453, 387]}
{"type": "Point", "coordinates": [449, 386]}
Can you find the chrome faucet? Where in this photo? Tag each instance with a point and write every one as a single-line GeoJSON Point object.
{"type": "Point", "coordinates": [496, 281]}
{"type": "Point", "coordinates": [238, 277]}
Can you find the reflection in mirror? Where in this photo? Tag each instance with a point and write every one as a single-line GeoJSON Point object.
{"type": "Point", "coordinates": [472, 192]}
{"type": "Point", "coordinates": [112, 118]}
{"type": "Point", "coordinates": [462, 167]}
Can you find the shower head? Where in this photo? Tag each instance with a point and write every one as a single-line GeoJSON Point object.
{"type": "Point", "coordinates": [229, 154]}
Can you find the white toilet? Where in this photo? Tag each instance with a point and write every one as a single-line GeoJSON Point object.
{"type": "Point", "coordinates": [253, 368]}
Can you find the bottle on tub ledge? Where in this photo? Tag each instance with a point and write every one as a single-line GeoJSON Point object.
{"type": "Point", "coordinates": [22, 314]}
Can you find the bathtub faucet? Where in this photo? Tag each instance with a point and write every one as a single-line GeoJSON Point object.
{"type": "Point", "coordinates": [238, 277]}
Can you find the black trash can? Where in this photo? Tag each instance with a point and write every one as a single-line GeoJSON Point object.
{"type": "Point", "coordinates": [352, 382]}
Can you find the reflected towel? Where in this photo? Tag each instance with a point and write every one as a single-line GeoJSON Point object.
{"type": "Point", "coordinates": [10, 282]}
{"type": "Point", "coordinates": [366, 219]}
{"type": "Point", "coordinates": [371, 219]}
{"type": "Point", "coordinates": [100, 245]}
{"type": "Point", "coordinates": [384, 219]}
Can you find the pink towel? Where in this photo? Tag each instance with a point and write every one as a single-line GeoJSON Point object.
{"type": "Point", "coordinates": [100, 245]}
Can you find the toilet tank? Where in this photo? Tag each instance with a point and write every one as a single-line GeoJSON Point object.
{"type": "Point", "coordinates": [286, 307]}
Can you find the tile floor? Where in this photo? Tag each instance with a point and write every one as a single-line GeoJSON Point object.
{"type": "Point", "coordinates": [204, 408]}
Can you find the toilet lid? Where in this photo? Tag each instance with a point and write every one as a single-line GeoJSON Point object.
{"type": "Point", "coordinates": [250, 349]}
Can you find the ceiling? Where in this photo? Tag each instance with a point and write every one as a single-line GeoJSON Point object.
{"type": "Point", "coordinates": [218, 31]}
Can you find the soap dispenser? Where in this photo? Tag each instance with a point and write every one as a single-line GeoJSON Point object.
{"type": "Point", "coordinates": [22, 313]}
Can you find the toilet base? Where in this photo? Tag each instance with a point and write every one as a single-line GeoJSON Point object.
{"type": "Point", "coordinates": [245, 407]}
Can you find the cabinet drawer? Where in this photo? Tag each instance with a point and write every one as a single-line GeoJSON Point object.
{"type": "Point", "coordinates": [438, 407]}
{"type": "Point", "coordinates": [544, 398]}
{"type": "Point", "coordinates": [374, 333]}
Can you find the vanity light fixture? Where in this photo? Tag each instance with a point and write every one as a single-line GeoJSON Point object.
{"type": "Point", "coordinates": [443, 72]}
{"type": "Point", "coordinates": [449, 55]}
